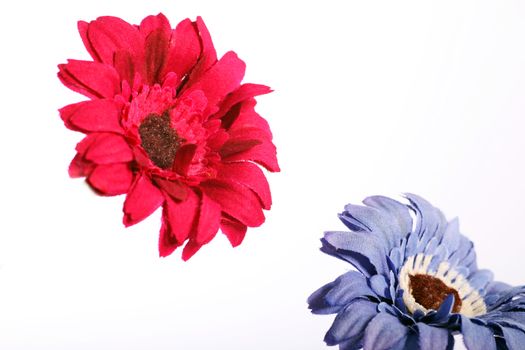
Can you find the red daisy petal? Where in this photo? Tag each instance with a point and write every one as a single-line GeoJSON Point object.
{"type": "Point", "coordinates": [234, 230]}
{"type": "Point", "coordinates": [142, 200]}
{"type": "Point", "coordinates": [175, 189]}
{"type": "Point", "coordinates": [79, 167]}
{"type": "Point", "coordinates": [107, 35]}
{"type": "Point", "coordinates": [108, 148]}
{"type": "Point", "coordinates": [111, 179]}
{"type": "Point", "coordinates": [221, 79]}
{"type": "Point", "coordinates": [125, 65]}
{"type": "Point", "coordinates": [209, 218]}
{"type": "Point", "coordinates": [264, 154]}
{"type": "Point", "coordinates": [242, 93]}
{"type": "Point", "coordinates": [208, 56]}
{"type": "Point", "coordinates": [184, 51]}
{"type": "Point", "coordinates": [157, 32]}
{"type": "Point", "coordinates": [152, 23]}
{"type": "Point", "coordinates": [92, 79]}
{"type": "Point", "coordinates": [167, 242]}
{"type": "Point", "coordinates": [236, 200]}
{"type": "Point", "coordinates": [180, 216]}
{"type": "Point", "coordinates": [244, 116]}
{"type": "Point", "coordinates": [190, 249]}
{"type": "Point", "coordinates": [92, 116]}
{"type": "Point", "coordinates": [207, 226]}
{"type": "Point", "coordinates": [250, 175]}
{"type": "Point", "coordinates": [236, 146]}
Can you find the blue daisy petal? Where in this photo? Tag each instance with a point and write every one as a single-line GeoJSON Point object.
{"type": "Point", "coordinates": [385, 332]}
{"type": "Point", "coordinates": [477, 336]}
{"type": "Point", "coordinates": [432, 338]}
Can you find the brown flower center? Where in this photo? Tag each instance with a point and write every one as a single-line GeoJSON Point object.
{"type": "Point", "coordinates": [159, 140]}
{"type": "Point", "coordinates": [430, 292]}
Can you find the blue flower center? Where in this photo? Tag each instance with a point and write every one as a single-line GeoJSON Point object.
{"type": "Point", "coordinates": [430, 292]}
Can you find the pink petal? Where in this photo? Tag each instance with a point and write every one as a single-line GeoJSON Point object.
{"type": "Point", "coordinates": [125, 65]}
{"type": "Point", "coordinates": [221, 79]}
{"type": "Point", "coordinates": [152, 23]}
{"type": "Point", "coordinates": [92, 79]}
{"type": "Point", "coordinates": [176, 189]}
{"type": "Point", "coordinates": [79, 167]}
{"type": "Point", "coordinates": [109, 148]}
{"type": "Point", "coordinates": [92, 116]}
{"type": "Point", "coordinates": [207, 57]}
{"type": "Point", "coordinates": [250, 175]}
{"type": "Point", "coordinates": [107, 35]}
{"type": "Point", "coordinates": [243, 116]}
{"type": "Point", "coordinates": [209, 218]}
{"type": "Point", "coordinates": [190, 249]}
{"type": "Point", "coordinates": [156, 52]}
{"type": "Point", "coordinates": [181, 216]}
{"type": "Point", "coordinates": [184, 51]}
{"type": "Point", "coordinates": [167, 242]}
{"type": "Point", "coordinates": [142, 200]}
{"type": "Point", "coordinates": [234, 230]}
{"type": "Point", "coordinates": [83, 29]}
{"type": "Point", "coordinates": [264, 154]}
{"type": "Point", "coordinates": [111, 179]}
{"type": "Point", "coordinates": [242, 93]}
{"type": "Point", "coordinates": [235, 146]}
{"type": "Point", "coordinates": [183, 158]}
{"type": "Point", "coordinates": [236, 200]}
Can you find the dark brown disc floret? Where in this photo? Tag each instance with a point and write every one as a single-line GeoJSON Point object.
{"type": "Point", "coordinates": [430, 292]}
{"type": "Point", "coordinates": [159, 140]}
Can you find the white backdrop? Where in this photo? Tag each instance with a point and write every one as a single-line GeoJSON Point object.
{"type": "Point", "coordinates": [377, 97]}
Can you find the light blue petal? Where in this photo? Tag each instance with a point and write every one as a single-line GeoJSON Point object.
{"type": "Point", "coordinates": [317, 302]}
{"type": "Point", "coordinates": [480, 279]}
{"type": "Point", "coordinates": [397, 256]}
{"type": "Point", "coordinates": [351, 322]}
{"type": "Point", "coordinates": [385, 332]}
{"type": "Point", "coordinates": [367, 245]}
{"type": "Point", "coordinates": [432, 338]}
{"type": "Point", "coordinates": [380, 286]}
{"type": "Point", "coordinates": [347, 287]}
{"type": "Point", "coordinates": [440, 255]}
{"type": "Point", "coordinates": [451, 236]}
{"type": "Point", "coordinates": [371, 220]}
{"type": "Point", "coordinates": [476, 336]}
{"type": "Point", "coordinates": [517, 316]}
{"type": "Point", "coordinates": [504, 297]}
{"type": "Point", "coordinates": [411, 245]}
{"type": "Point", "coordinates": [514, 338]}
{"type": "Point", "coordinates": [351, 344]}
{"type": "Point", "coordinates": [398, 215]}
{"type": "Point", "coordinates": [464, 254]}
{"type": "Point", "coordinates": [359, 261]}
{"type": "Point", "coordinates": [431, 246]}
{"type": "Point", "coordinates": [430, 221]}
{"type": "Point", "coordinates": [496, 287]}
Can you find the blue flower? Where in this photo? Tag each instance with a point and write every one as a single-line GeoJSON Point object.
{"type": "Point", "coordinates": [416, 285]}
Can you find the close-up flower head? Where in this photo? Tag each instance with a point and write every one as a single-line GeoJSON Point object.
{"type": "Point", "coordinates": [170, 125]}
{"type": "Point", "coordinates": [417, 284]}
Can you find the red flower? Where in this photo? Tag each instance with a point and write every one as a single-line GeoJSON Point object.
{"type": "Point", "coordinates": [170, 125]}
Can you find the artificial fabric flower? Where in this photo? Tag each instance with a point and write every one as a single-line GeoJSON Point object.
{"type": "Point", "coordinates": [416, 285]}
{"type": "Point", "coordinates": [171, 126]}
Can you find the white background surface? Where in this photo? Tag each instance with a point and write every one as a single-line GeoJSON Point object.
{"type": "Point", "coordinates": [377, 97]}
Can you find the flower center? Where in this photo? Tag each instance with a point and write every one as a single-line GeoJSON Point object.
{"type": "Point", "coordinates": [427, 281]}
{"type": "Point", "coordinates": [159, 139]}
{"type": "Point", "coordinates": [431, 292]}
